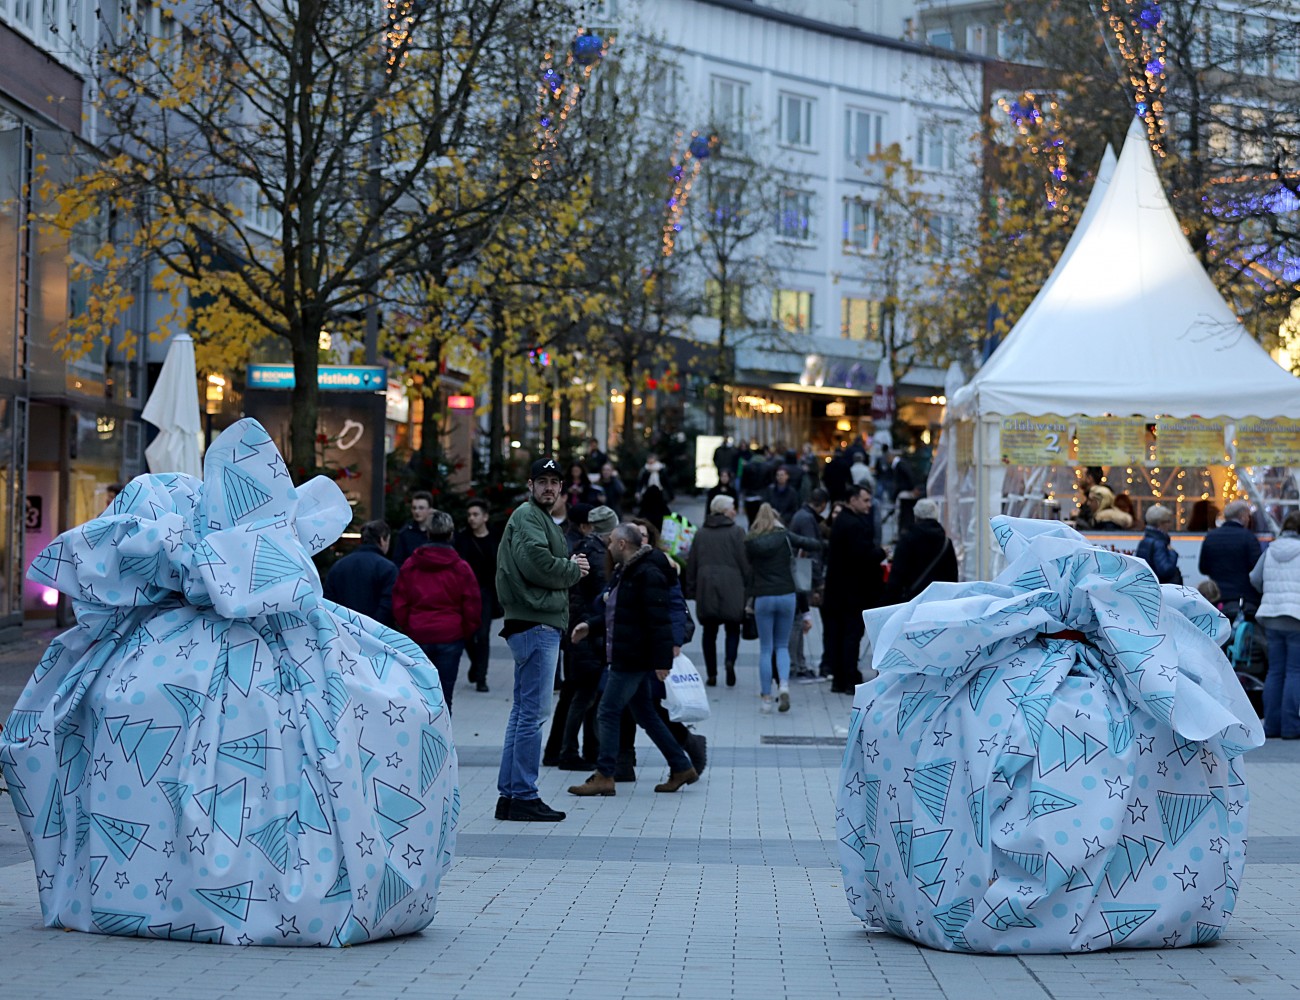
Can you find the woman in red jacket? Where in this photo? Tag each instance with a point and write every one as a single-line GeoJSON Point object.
{"type": "Point", "coordinates": [436, 601]}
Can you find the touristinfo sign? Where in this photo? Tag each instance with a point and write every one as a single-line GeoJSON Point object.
{"type": "Point", "coordinates": [338, 378]}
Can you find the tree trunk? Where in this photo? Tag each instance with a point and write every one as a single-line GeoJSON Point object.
{"type": "Point", "coordinates": [497, 391]}
{"type": "Point", "coordinates": [304, 403]}
{"type": "Point", "coordinates": [431, 426]}
{"type": "Point", "coordinates": [720, 364]}
{"type": "Point", "coordinates": [629, 425]}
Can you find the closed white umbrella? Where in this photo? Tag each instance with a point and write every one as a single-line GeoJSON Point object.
{"type": "Point", "coordinates": [173, 407]}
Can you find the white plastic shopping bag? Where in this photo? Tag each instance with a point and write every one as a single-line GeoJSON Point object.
{"type": "Point", "coordinates": [686, 700]}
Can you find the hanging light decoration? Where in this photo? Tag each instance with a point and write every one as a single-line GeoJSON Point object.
{"type": "Point", "coordinates": [1138, 27]}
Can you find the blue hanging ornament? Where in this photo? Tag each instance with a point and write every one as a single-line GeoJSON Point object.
{"type": "Point", "coordinates": [1150, 16]}
{"type": "Point", "coordinates": [587, 49]}
{"type": "Point", "coordinates": [1141, 109]}
{"type": "Point", "coordinates": [700, 148]}
{"type": "Point", "coordinates": [553, 81]}
{"type": "Point", "coordinates": [1155, 67]}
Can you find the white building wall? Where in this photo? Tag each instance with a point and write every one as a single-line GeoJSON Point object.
{"type": "Point", "coordinates": [838, 69]}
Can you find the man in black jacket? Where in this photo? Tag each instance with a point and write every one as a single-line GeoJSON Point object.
{"type": "Point", "coordinates": [1228, 554]}
{"type": "Point", "coordinates": [923, 555]}
{"type": "Point", "coordinates": [477, 545]}
{"type": "Point", "coordinates": [415, 532]}
{"type": "Point", "coordinates": [636, 627]}
{"type": "Point", "coordinates": [363, 580]}
{"type": "Point", "coordinates": [854, 582]}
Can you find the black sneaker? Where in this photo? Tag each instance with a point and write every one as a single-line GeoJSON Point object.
{"type": "Point", "coordinates": [697, 748]}
{"type": "Point", "coordinates": [625, 772]}
{"type": "Point", "coordinates": [533, 811]}
{"type": "Point", "coordinates": [481, 686]}
{"type": "Point", "coordinates": [574, 764]}
{"type": "Point", "coordinates": [503, 807]}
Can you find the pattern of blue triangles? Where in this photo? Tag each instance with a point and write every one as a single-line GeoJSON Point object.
{"type": "Point", "coordinates": [243, 494]}
{"type": "Point", "coordinates": [392, 890]}
{"type": "Point", "coordinates": [930, 784]}
{"type": "Point", "coordinates": [271, 564]}
{"type": "Point", "coordinates": [1179, 812]}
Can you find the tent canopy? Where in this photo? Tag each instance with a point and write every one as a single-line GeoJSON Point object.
{"type": "Point", "coordinates": [1130, 324]}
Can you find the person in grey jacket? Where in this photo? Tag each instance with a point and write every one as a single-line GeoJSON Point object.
{"type": "Point", "coordinates": [808, 522]}
{"type": "Point", "coordinates": [1277, 576]}
{"type": "Point", "coordinates": [770, 547]}
{"type": "Point", "coordinates": [717, 575]}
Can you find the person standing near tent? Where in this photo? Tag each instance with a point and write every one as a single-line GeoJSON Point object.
{"type": "Point", "coordinates": [854, 582]}
{"type": "Point", "coordinates": [1228, 554]}
{"type": "Point", "coordinates": [1277, 576]}
{"type": "Point", "coordinates": [1155, 548]}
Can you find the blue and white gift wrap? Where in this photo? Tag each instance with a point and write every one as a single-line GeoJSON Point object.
{"type": "Point", "coordinates": [1007, 788]}
{"type": "Point", "coordinates": [216, 753]}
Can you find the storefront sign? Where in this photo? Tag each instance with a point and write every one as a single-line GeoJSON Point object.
{"type": "Point", "coordinates": [1112, 440]}
{"type": "Point", "coordinates": [1043, 440]}
{"type": "Point", "coordinates": [1189, 441]}
{"type": "Point", "coordinates": [1268, 442]}
{"type": "Point", "coordinates": [340, 378]}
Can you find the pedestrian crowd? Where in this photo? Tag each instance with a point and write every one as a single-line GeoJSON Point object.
{"type": "Point", "coordinates": [579, 583]}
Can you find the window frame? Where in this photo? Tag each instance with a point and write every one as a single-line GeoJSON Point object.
{"type": "Point", "coordinates": [807, 107]}
{"type": "Point", "coordinates": [870, 225]}
{"type": "Point", "coordinates": [807, 211]}
{"type": "Point", "coordinates": [853, 116]}
{"type": "Point", "coordinates": [799, 296]}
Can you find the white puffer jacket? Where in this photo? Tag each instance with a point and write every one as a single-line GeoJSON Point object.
{"type": "Point", "coordinates": [1277, 576]}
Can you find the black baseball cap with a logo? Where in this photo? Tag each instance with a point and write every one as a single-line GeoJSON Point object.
{"type": "Point", "coordinates": [547, 466]}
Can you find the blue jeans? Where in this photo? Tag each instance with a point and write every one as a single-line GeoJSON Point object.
{"type": "Point", "coordinates": [536, 652]}
{"type": "Point", "coordinates": [632, 691]}
{"type": "Point", "coordinates": [445, 656]}
{"type": "Point", "coordinates": [1282, 685]}
{"type": "Point", "coordinates": [774, 615]}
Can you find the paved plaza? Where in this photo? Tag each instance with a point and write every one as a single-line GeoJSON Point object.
{"type": "Point", "coordinates": [730, 888]}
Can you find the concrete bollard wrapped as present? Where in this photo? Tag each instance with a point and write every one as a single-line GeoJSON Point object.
{"type": "Point", "coordinates": [216, 753]}
{"type": "Point", "coordinates": [1049, 762]}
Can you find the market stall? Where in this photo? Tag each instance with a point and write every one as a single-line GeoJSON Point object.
{"type": "Point", "coordinates": [1128, 360]}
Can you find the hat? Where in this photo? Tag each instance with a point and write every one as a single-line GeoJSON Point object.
{"type": "Point", "coordinates": [602, 519]}
{"type": "Point", "coordinates": [578, 513]}
{"type": "Point", "coordinates": [547, 466]}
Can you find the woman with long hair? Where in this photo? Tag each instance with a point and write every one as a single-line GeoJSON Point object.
{"type": "Point", "coordinates": [769, 548]}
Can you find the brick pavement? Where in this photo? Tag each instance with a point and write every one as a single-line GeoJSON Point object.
{"type": "Point", "coordinates": [729, 889]}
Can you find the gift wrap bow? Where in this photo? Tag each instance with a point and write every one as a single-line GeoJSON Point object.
{"type": "Point", "coordinates": [255, 714]}
{"type": "Point", "coordinates": [1047, 762]}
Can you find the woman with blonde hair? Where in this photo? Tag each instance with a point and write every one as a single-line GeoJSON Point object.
{"type": "Point", "coordinates": [769, 548]}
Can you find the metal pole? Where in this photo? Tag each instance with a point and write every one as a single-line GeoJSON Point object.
{"type": "Point", "coordinates": [378, 451]}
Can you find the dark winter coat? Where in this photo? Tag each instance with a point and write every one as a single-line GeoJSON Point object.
{"type": "Point", "coordinates": [641, 637]}
{"type": "Point", "coordinates": [922, 556]}
{"type": "Point", "coordinates": [534, 573]}
{"type": "Point", "coordinates": [1155, 550]}
{"type": "Point", "coordinates": [678, 610]}
{"type": "Point", "coordinates": [407, 540]}
{"type": "Point", "coordinates": [854, 579]}
{"type": "Point", "coordinates": [1228, 554]}
{"type": "Point", "coordinates": [808, 522]}
{"type": "Point", "coordinates": [363, 581]}
{"type": "Point", "coordinates": [717, 570]}
{"type": "Point", "coordinates": [769, 561]}
{"type": "Point", "coordinates": [837, 476]}
{"type": "Point", "coordinates": [784, 501]}
{"type": "Point", "coordinates": [481, 554]}
{"type": "Point", "coordinates": [611, 493]}
{"type": "Point", "coordinates": [754, 475]}
{"type": "Point", "coordinates": [586, 660]}
{"type": "Point", "coordinates": [436, 598]}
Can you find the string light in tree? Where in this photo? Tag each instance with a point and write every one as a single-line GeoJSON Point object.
{"type": "Point", "coordinates": [684, 169]}
{"type": "Point", "coordinates": [1031, 116]}
{"type": "Point", "coordinates": [559, 88]}
{"type": "Point", "coordinates": [1138, 27]}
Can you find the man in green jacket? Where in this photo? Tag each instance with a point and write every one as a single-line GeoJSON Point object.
{"type": "Point", "coordinates": [534, 574]}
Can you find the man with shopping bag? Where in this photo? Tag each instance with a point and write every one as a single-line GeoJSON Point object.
{"type": "Point", "coordinates": [637, 630]}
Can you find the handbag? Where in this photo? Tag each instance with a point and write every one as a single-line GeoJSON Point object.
{"type": "Point", "coordinates": [801, 570]}
{"type": "Point", "coordinates": [685, 697]}
{"type": "Point", "coordinates": [749, 624]}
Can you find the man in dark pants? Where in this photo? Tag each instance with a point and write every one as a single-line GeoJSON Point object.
{"type": "Point", "coordinates": [854, 582]}
{"type": "Point", "coordinates": [477, 545]}
{"type": "Point", "coordinates": [534, 574]}
{"type": "Point", "coordinates": [1228, 554]}
{"type": "Point", "coordinates": [636, 626]}
{"type": "Point", "coordinates": [363, 580]}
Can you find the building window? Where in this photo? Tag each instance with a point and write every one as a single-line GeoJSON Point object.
{"type": "Point", "coordinates": [796, 121]}
{"type": "Point", "coordinates": [936, 146]}
{"type": "Point", "coordinates": [939, 235]}
{"type": "Point", "coordinates": [1011, 42]}
{"type": "Point", "coordinates": [792, 310]}
{"type": "Point", "coordinates": [729, 103]}
{"type": "Point", "coordinates": [975, 39]}
{"type": "Point", "coordinates": [794, 216]}
{"type": "Point", "coordinates": [859, 225]}
{"type": "Point", "coordinates": [940, 38]}
{"type": "Point", "coordinates": [864, 133]}
{"type": "Point", "coordinates": [859, 318]}
{"type": "Point", "coordinates": [735, 303]}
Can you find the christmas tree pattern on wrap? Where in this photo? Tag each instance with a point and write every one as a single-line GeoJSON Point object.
{"type": "Point", "coordinates": [1070, 798]}
{"type": "Point", "coordinates": [215, 734]}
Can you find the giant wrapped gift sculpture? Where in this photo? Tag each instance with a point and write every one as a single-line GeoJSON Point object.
{"type": "Point", "coordinates": [1049, 762]}
{"type": "Point", "coordinates": [216, 753]}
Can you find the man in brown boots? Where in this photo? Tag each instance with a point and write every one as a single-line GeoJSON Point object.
{"type": "Point", "coordinates": [636, 627]}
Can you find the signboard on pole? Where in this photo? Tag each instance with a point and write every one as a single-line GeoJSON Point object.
{"type": "Point", "coordinates": [1189, 441]}
{"type": "Point", "coordinates": [1268, 442]}
{"type": "Point", "coordinates": [1112, 440]}
{"type": "Point", "coordinates": [335, 378]}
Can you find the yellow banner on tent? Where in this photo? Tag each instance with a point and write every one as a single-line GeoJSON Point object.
{"type": "Point", "coordinates": [1268, 442]}
{"type": "Point", "coordinates": [1189, 441]}
{"type": "Point", "coordinates": [1028, 440]}
{"type": "Point", "coordinates": [965, 443]}
{"type": "Point", "coordinates": [1112, 440]}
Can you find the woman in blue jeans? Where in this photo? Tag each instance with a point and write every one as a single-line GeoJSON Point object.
{"type": "Point", "coordinates": [769, 548]}
{"type": "Point", "coordinates": [1277, 577]}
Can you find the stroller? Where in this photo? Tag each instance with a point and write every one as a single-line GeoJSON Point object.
{"type": "Point", "coordinates": [1249, 657]}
